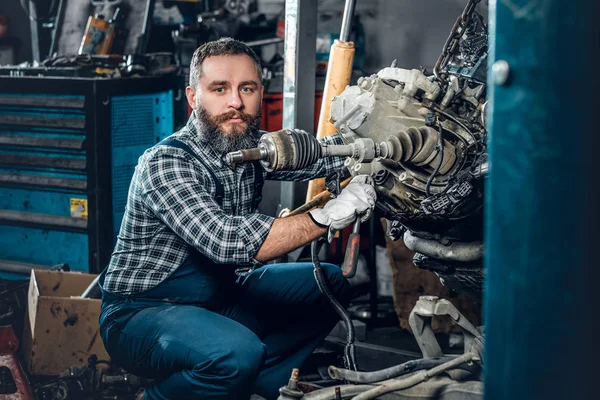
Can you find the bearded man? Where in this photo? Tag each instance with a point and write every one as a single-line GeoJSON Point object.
{"type": "Point", "coordinates": [186, 299]}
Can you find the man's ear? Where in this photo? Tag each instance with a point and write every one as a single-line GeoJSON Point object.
{"type": "Point", "coordinates": [190, 94]}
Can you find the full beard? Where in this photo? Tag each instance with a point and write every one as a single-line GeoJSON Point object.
{"type": "Point", "coordinates": [222, 142]}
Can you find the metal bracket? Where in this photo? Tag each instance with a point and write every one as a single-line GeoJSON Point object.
{"type": "Point", "coordinates": [420, 323]}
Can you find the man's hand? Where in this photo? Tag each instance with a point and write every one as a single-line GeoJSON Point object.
{"type": "Point", "coordinates": [356, 200]}
{"type": "Point", "coordinates": [289, 233]}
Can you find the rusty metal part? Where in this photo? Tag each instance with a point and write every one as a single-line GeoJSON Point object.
{"type": "Point", "coordinates": [291, 391]}
{"type": "Point", "coordinates": [9, 344]}
{"type": "Point", "coordinates": [286, 149]}
{"type": "Point", "coordinates": [317, 201]}
{"type": "Point", "coordinates": [290, 149]}
{"type": "Point", "coordinates": [246, 155]}
{"type": "Point", "coordinates": [352, 251]}
{"type": "Point", "coordinates": [293, 150]}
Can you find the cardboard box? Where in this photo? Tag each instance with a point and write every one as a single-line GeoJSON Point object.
{"type": "Point", "coordinates": [60, 331]}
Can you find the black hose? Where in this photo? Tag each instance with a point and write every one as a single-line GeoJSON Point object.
{"type": "Point", "coordinates": [440, 146]}
{"type": "Point", "coordinates": [388, 373]}
{"type": "Point", "coordinates": [349, 351]}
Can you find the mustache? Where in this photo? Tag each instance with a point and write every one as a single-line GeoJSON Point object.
{"type": "Point", "coordinates": [233, 114]}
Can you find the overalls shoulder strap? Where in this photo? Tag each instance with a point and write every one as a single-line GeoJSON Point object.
{"type": "Point", "coordinates": [259, 182]}
{"type": "Point", "coordinates": [219, 191]}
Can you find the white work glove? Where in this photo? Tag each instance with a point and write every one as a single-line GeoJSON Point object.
{"type": "Point", "coordinates": [356, 200]}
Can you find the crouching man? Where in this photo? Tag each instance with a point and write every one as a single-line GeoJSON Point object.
{"type": "Point", "coordinates": [186, 300]}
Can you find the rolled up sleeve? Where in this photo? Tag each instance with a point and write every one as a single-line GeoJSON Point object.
{"type": "Point", "coordinates": [177, 194]}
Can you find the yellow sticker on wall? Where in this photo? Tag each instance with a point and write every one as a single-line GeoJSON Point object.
{"type": "Point", "coordinates": [79, 208]}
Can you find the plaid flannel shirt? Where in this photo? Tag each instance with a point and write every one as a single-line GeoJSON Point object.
{"type": "Point", "coordinates": [171, 210]}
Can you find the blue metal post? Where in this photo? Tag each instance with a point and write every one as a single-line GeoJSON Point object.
{"type": "Point", "coordinates": [542, 207]}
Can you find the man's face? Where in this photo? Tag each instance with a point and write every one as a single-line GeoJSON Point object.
{"type": "Point", "coordinates": [228, 100]}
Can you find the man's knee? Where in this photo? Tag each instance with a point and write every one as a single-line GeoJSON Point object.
{"type": "Point", "coordinates": [338, 284]}
{"type": "Point", "coordinates": [237, 367]}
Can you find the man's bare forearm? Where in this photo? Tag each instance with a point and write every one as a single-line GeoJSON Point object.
{"type": "Point", "coordinates": [288, 234]}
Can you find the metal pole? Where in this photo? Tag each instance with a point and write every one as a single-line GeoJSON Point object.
{"type": "Point", "coordinates": [298, 76]}
{"type": "Point", "coordinates": [34, 27]}
{"type": "Point", "coordinates": [19, 267]}
{"type": "Point", "coordinates": [145, 34]}
{"type": "Point", "coordinates": [58, 20]}
{"type": "Point", "coordinates": [347, 20]}
{"type": "Point", "coordinates": [541, 201]}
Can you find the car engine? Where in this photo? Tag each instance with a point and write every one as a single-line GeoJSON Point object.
{"type": "Point", "coordinates": [422, 137]}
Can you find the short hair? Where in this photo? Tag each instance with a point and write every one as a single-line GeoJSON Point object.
{"type": "Point", "coordinates": [222, 47]}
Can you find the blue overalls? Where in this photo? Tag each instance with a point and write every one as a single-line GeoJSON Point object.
{"type": "Point", "coordinates": [204, 333]}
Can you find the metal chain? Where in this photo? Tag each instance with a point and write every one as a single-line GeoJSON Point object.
{"type": "Point", "coordinates": [455, 34]}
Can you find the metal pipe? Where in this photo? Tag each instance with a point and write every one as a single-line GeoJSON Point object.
{"type": "Point", "coordinates": [16, 267]}
{"type": "Point", "coordinates": [298, 78]}
{"type": "Point", "coordinates": [387, 373]}
{"type": "Point", "coordinates": [58, 20]}
{"type": "Point", "coordinates": [145, 34]}
{"type": "Point", "coordinates": [247, 155]}
{"type": "Point", "coordinates": [34, 29]}
{"type": "Point", "coordinates": [337, 150]}
{"type": "Point", "coordinates": [347, 20]}
{"type": "Point", "coordinates": [458, 251]}
{"type": "Point", "coordinates": [482, 170]}
{"type": "Point", "coordinates": [93, 290]}
{"type": "Point", "coordinates": [421, 376]}
{"type": "Point", "coordinates": [264, 42]}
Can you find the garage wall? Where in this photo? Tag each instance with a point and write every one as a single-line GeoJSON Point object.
{"type": "Point", "coordinates": [413, 31]}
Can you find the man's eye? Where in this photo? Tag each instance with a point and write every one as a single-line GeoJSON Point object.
{"type": "Point", "coordinates": [247, 90]}
{"type": "Point", "coordinates": [220, 90]}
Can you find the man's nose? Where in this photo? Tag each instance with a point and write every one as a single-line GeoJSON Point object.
{"type": "Point", "coordinates": [235, 100]}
